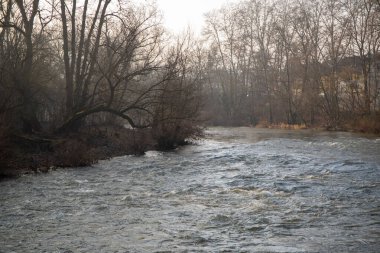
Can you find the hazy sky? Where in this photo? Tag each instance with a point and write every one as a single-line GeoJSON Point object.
{"type": "Point", "coordinates": [179, 14]}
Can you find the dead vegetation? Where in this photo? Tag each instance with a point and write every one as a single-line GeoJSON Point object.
{"type": "Point", "coordinates": [365, 124]}
{"type": "Point", "coordinates": [30, 153]}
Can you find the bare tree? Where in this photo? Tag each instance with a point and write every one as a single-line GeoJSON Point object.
{"type": "Point", "coordinates": [366, 38]}
{"type": "Point", "coordinates": [105, 66]}
{"type": "Point", "coordinates": [337, 37]}
{"type": "Point", "coordinates": [179, 101]}
{"type": "Point", "coordinates": [16, 37]}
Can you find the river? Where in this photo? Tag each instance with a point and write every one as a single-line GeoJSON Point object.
{"type": "Point", "coordinates": [237, 190]}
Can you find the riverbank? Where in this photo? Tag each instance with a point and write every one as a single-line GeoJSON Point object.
{"type": "Point", "coordinates": [23, 154]}
{"type": "Point", "coordinates": [365, 124]}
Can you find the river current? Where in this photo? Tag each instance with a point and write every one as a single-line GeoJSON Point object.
{"type": "Point", "coordinates": [237, 190]}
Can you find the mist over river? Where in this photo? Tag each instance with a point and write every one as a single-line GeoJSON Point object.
{"type": "Point", "coordinates": [237, 190]}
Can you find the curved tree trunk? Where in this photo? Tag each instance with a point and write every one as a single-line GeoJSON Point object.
{"type": "Point", "coordinates": [72, 123]}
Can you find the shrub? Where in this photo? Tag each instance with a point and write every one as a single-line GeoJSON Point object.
{"type": "Point", "coordinates": [170, 135]}
{"type": "Point", "coordinates": [73, 153]}
{"type": "Point", "coordinates": [366, 124]}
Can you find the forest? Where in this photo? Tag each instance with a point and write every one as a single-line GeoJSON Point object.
{"type": "Point", "coordinates": [294, 62]}
{"type": "Point", "coordinates": [83, 80]}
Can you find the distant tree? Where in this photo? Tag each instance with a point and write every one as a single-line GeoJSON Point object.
{"type": "Point", "coordinates": [336, 40]}
{"type": "Point", "coordinates": [366, 40]}
{"type": "Point", "coordinates": [306, 23]}
{"type": "Point", "coordinates": [22, 25]}
{"type": "Point", "coordinates": [220, 30]}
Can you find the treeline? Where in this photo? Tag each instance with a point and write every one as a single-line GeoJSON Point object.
{"type": "Point", "coordinates": [295, 62]}
{"type": "Point", "coordinates": [79, 77]}
{"type": "Point", "coordinates": [65, 65]}
{"type": "Point", "coordinates": [69, 64]}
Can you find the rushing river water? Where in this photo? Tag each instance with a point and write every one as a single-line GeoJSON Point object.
{"type": "Point", "coordinates": [239, 190]}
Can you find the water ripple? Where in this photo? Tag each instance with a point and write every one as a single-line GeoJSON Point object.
{"type": "Point", "coordinates": [240, 190]}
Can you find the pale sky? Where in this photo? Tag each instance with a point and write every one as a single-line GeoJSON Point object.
{"type": "Point", "coordinates": [178, 14]}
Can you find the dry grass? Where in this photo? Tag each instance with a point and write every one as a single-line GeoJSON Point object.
{"type": "Point", "coordinates": [266, 124]}
{"type": "Point", "coordinates": [289, 126]}
{"type": "Point", "coordinates": [263, 124]}
{"type": "Point", "coordinates": [73, 153]}
{"type": "Point", "coordinates": [39, 154]}
{"type": "Point", "coordinates": [170, 135]}
{"type": "Point", "coordinates": [366, 124]}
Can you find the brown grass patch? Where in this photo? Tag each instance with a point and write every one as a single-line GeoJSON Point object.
{"type": "Point", "coordinates": [266, 124]}
{"type": "Point", "coordinates": [365, 124]}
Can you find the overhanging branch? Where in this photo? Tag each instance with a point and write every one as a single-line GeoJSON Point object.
{"type": "Point", "coordinates": [68, 125]}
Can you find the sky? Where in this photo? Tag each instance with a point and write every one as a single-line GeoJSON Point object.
{"type": "Point", "coordinates": [178, 14]}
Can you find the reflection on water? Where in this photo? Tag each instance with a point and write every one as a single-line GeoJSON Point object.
{"type": "Point", "coordinates": [239, 190]}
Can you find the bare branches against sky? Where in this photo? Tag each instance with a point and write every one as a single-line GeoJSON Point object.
{"type": "Point", "coordinates": [179, 14]}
